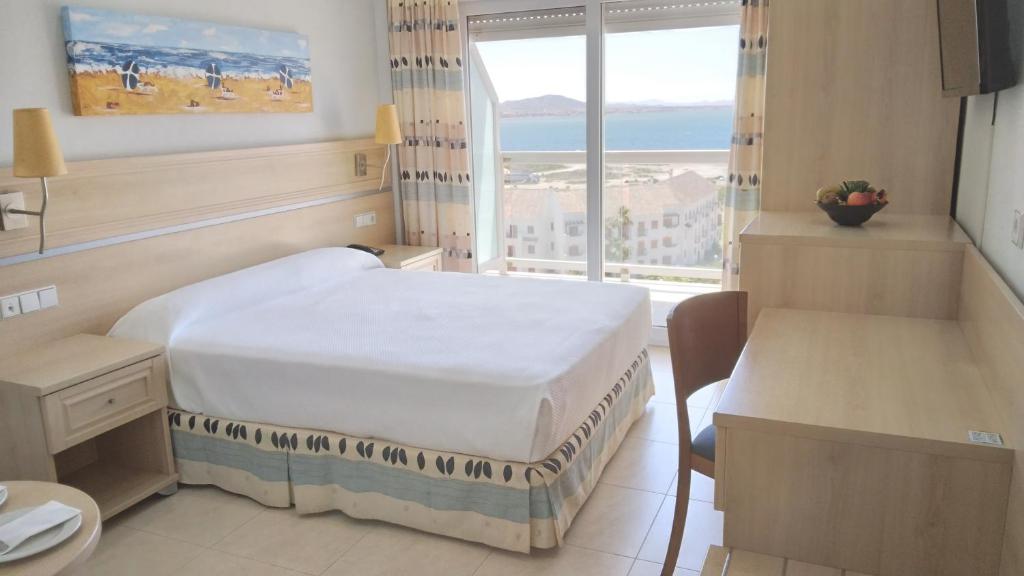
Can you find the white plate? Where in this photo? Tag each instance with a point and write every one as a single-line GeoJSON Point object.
{"type": "Point", "coordinates": [3, 495]}
{"type": "Point", "coordinates": [42, 541]}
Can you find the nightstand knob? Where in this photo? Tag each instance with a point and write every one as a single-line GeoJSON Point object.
{"type": "Point", "coordinates": [110, 400]}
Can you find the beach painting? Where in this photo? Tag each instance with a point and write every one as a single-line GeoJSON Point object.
{"type": "Point", "coordinates": [125, 63]}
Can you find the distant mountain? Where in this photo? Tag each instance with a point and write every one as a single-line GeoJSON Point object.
{"type": "Point", "coordinates": [556, 105]}
{"type": "Point", "coordinates": [550, 105]}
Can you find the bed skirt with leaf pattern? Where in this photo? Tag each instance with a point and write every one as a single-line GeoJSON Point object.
{"type": "Point", "coordinates": [509, 505]}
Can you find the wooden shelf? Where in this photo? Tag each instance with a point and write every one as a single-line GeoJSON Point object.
{"type": "Point", "coordinates": [885, 231]}
{"type": "Point", "coordinates": [114, 487]}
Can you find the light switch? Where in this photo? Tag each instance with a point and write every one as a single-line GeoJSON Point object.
{"type": "Point", "coordinates": [10, 307]}
{"type": "Point", "coordinates": [29, 302]}
{"type": "Point", "coordinates": [48, 297]}
{"type": "Point", "coordinates": [366, 219]}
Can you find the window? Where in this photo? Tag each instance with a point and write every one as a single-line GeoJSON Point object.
{"type": "Point", "coordinates": [574, 250]}
{"type": "Point", "coordinates": [667, 242]}
{"type": "Point", "coordinates": [529, 229]}
{"type": "Point", "coordinates": [671, 220]}
{"type": "Point", "coordinates": [573, 229]}
{"type": "Point", "coordinates": [513, 231]}
{"type": "Point", "coordinates": [641, 229]}
{"type": "Point", "coordinates": [511, 251]}
{"type": "Point", "coordinates": [531, 249]}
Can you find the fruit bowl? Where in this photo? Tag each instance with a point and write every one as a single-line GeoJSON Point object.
{"type": "Point", "coordinates": [845, 215]}
{"type": "Point", "coordinates": [852, 203]}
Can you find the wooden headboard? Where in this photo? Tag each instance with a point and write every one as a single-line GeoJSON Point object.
{"type": "Point", "coordinates": [992, 319]}
{"type": "Point", "coordinates": [123, 230]}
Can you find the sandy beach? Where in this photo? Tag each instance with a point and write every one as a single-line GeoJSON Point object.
{"type": "Point", "coordinates": [102, 93]}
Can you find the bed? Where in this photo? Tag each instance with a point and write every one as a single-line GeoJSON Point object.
{"type": "Point", "coordinates": [478, 407]}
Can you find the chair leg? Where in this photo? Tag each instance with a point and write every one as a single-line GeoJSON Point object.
{"type": "Point", "coordinates": [675, 540]}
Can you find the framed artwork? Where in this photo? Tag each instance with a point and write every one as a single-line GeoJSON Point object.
{"type": "Point", "coordinates": [125, 63]}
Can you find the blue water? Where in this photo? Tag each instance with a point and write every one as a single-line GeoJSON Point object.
{"type": "Point", "coordinates": [697, 128]}
{"type": "Point", "coordinates": [179, 62]}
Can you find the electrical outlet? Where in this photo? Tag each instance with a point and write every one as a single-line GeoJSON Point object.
{"type": "Point", "coordinates": [366, 219]}
{"type": "Point", "coordinates": [26, 302]}
{"type": "Point", "coordinates": [1017, 233]}
{"type": "Point", "coordinates": [10, 307]}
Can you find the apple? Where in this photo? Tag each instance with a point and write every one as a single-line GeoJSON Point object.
{"type": "Point", "coordinates": [859, 199]}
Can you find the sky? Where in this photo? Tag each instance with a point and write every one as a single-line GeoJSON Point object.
{"type": "Point", "coordinates": [107, 27]}
{"type": "Point", "coordinates": [674, 66]}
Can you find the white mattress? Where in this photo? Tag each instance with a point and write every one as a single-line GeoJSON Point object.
{"type": "Point", "coordinates": [499, 367]}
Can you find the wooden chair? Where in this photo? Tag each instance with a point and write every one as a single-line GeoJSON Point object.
{"type": "Point", "coordinates": [706, 334]}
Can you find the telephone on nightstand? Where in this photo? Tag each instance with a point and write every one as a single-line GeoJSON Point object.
{"type": "Point", "coordinates": [370, 249]}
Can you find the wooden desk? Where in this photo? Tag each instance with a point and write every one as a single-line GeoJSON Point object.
{"type": "Point", "coordinates": [67, 556]}
{"type": "Point", "coordinates": [895, 264]}
{"type": "Point", "coordinates": [843, 441]}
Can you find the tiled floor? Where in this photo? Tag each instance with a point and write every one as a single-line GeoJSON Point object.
{"type": "Point", "coordinates": [622, 531]}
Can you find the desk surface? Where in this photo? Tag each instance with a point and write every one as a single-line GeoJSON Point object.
{"type": "Point", "coordinates": [901, 383]}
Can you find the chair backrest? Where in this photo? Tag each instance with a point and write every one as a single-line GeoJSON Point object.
{"type": "Point", "coordinates": [706, 334]}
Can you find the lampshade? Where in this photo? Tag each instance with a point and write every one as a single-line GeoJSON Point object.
{"type": "Point", "coordinates": [388, 131]}
{"type": "Point", "coordinates": [36, 149]}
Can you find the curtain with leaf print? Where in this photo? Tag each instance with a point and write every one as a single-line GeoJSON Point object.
{"type": "Point", "coordinates": [426, 75]}
{"type": "Point", "coordinates": [743, 194]}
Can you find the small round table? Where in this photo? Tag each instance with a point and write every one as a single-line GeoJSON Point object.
{"type": "Point", "coordinates": [67, 555]}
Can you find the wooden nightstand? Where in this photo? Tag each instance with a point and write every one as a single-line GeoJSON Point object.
{"type": "Point", "coordinates": [91, 412]}
{"type": "Point", "coordinates": [412, 257]}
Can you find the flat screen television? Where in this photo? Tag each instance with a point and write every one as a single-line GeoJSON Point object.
{"type": "Point", "coordinates": [974, 39]}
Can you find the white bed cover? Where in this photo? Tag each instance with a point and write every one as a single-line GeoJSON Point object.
{"type": "Point", "coordinates": [329, 339]}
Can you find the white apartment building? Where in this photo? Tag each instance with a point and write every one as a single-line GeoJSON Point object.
{"type": "Point", "coordinates": [674, 222]}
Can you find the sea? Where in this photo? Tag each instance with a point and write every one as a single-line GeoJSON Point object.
{"type": "Point", "coordinates": [179, 62]}
{"type": "Point", "coordinates": [690, 128]}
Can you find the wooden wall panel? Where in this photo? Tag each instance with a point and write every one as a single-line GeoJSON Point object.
{"type": "Point", "coordinates": [854, 91]}
{"type": "Point", "coordinates": [992, 319]}
{"type": "Point", "coordinates": [914, 283]}
{"type": "Point", "coordinates": [103, 198]}
{"type": "Point", "coordinates": [97, 287]}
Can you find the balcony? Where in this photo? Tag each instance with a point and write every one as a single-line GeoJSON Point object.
{"type": "Point", "coordinates": [647, 193]}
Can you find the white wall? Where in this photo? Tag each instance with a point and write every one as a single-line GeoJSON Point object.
{"type": "Point", "coordinates": [343, 51]}
{"type": "Point", "coordinates": [992, 172]}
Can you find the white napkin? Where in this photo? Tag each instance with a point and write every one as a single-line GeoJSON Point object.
{"type": "Point", "coordinates": [38, 520]}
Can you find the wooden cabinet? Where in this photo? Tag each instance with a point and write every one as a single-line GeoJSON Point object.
{"type": "Point", "coordinates": [412, 257]}
{"type": "Point", "coordinates": [88, 411]}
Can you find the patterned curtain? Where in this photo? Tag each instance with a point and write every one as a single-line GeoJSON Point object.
{"type": "Point", "coordinates": [743, 194]}
{"type": "Point", "coordinates": [426, 75]}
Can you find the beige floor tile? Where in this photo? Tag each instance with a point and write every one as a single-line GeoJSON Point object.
{"type": "Point", "coordinates": [701, 487]}
{"type": "Point", "coordinates": [564, 561]}
{"type": "Point", "coordinates": [129, 552]}
{"type": "Point", "coordinates": [394, 551]}
{"type": "Point", "coordinates": [615, 520]}
{"type": "Point", "coordinates": [703, 529]}
{"type": "Point", "coordinates": [216, 563]}
{"type": "Point", "coordinates": [644, 465]}
{"type": "Point", "coordinates": [309, 543]}
{"type": "Point", "coordinates": [661, 424]}
{"type": "Point", "coordinates": [645, 568]}
{"type": "Point", "coordinates": [201, 515]}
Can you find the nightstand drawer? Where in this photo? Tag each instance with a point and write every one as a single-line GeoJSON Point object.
{"type": "Point", "coordinates": [82, 411]}
{"type": "Point", "coordinates": [432, 264]}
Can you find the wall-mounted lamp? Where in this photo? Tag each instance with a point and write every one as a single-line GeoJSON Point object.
{"type": "Point", "coordinates": [36, 155]}
{"type": "Point", "coordinates": [389, 133]}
